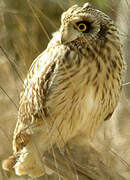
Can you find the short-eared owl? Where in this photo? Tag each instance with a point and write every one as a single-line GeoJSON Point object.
{"type": "Point", "coordinates": [70, 89]}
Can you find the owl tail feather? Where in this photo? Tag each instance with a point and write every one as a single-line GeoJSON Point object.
{"type": "Point", "coordinates": [9, 163]}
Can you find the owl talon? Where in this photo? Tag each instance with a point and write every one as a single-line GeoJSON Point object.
{"type": "Point", "coordinates": [21, 140]}
{"type": "Point", "coordinates": [31, 171]}
{"type": "Point", "coordinates": [8, 164]}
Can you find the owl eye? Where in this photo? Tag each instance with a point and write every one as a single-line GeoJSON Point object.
{"type": "Point", "coordinates": [83, 26]}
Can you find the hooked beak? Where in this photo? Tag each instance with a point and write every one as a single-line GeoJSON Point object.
{"type": "Point", "coordinates": [64, 37]}
{"type": "Point", "coordinates": [68, 34]}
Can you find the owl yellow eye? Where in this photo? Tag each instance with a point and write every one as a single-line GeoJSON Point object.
{"type": "Point", "coordinates": [82, 27]}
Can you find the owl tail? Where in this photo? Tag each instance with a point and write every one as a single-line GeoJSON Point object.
{"type": "Point", "coordinates": [9, 163]}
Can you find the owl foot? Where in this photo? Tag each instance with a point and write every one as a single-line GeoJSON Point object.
{"type": "Point", "coordinates": [29, 163]}
{"type": "Point", "coordinates": [21, 140]}
{"type": "Point", "coordinates": [8, 164]}
{"type": "Point", "coordinates": [32, 170]}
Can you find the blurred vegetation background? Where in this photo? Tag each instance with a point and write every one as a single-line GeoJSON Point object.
{"type": "Point", "coordinates": [26, 26]}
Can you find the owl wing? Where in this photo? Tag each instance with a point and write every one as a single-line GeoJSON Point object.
{"type": "Point", "coordinates": [33, 97]}
{"type": "Point", "coordinates": [43, 74]}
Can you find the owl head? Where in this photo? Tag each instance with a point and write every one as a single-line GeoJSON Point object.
{"type": "Point", "coordinates": [84, 23]}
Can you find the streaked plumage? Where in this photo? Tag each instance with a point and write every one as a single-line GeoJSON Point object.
{"type": "Point", "coordinates": [71, 88]}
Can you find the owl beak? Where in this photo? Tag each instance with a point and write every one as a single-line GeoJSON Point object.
{"type": "Point", "coordinates": [65, 35]}
{"type": "Point", "coordinates": [63, 38]}
{"type": "Point", "coordinates": [68, 35]}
